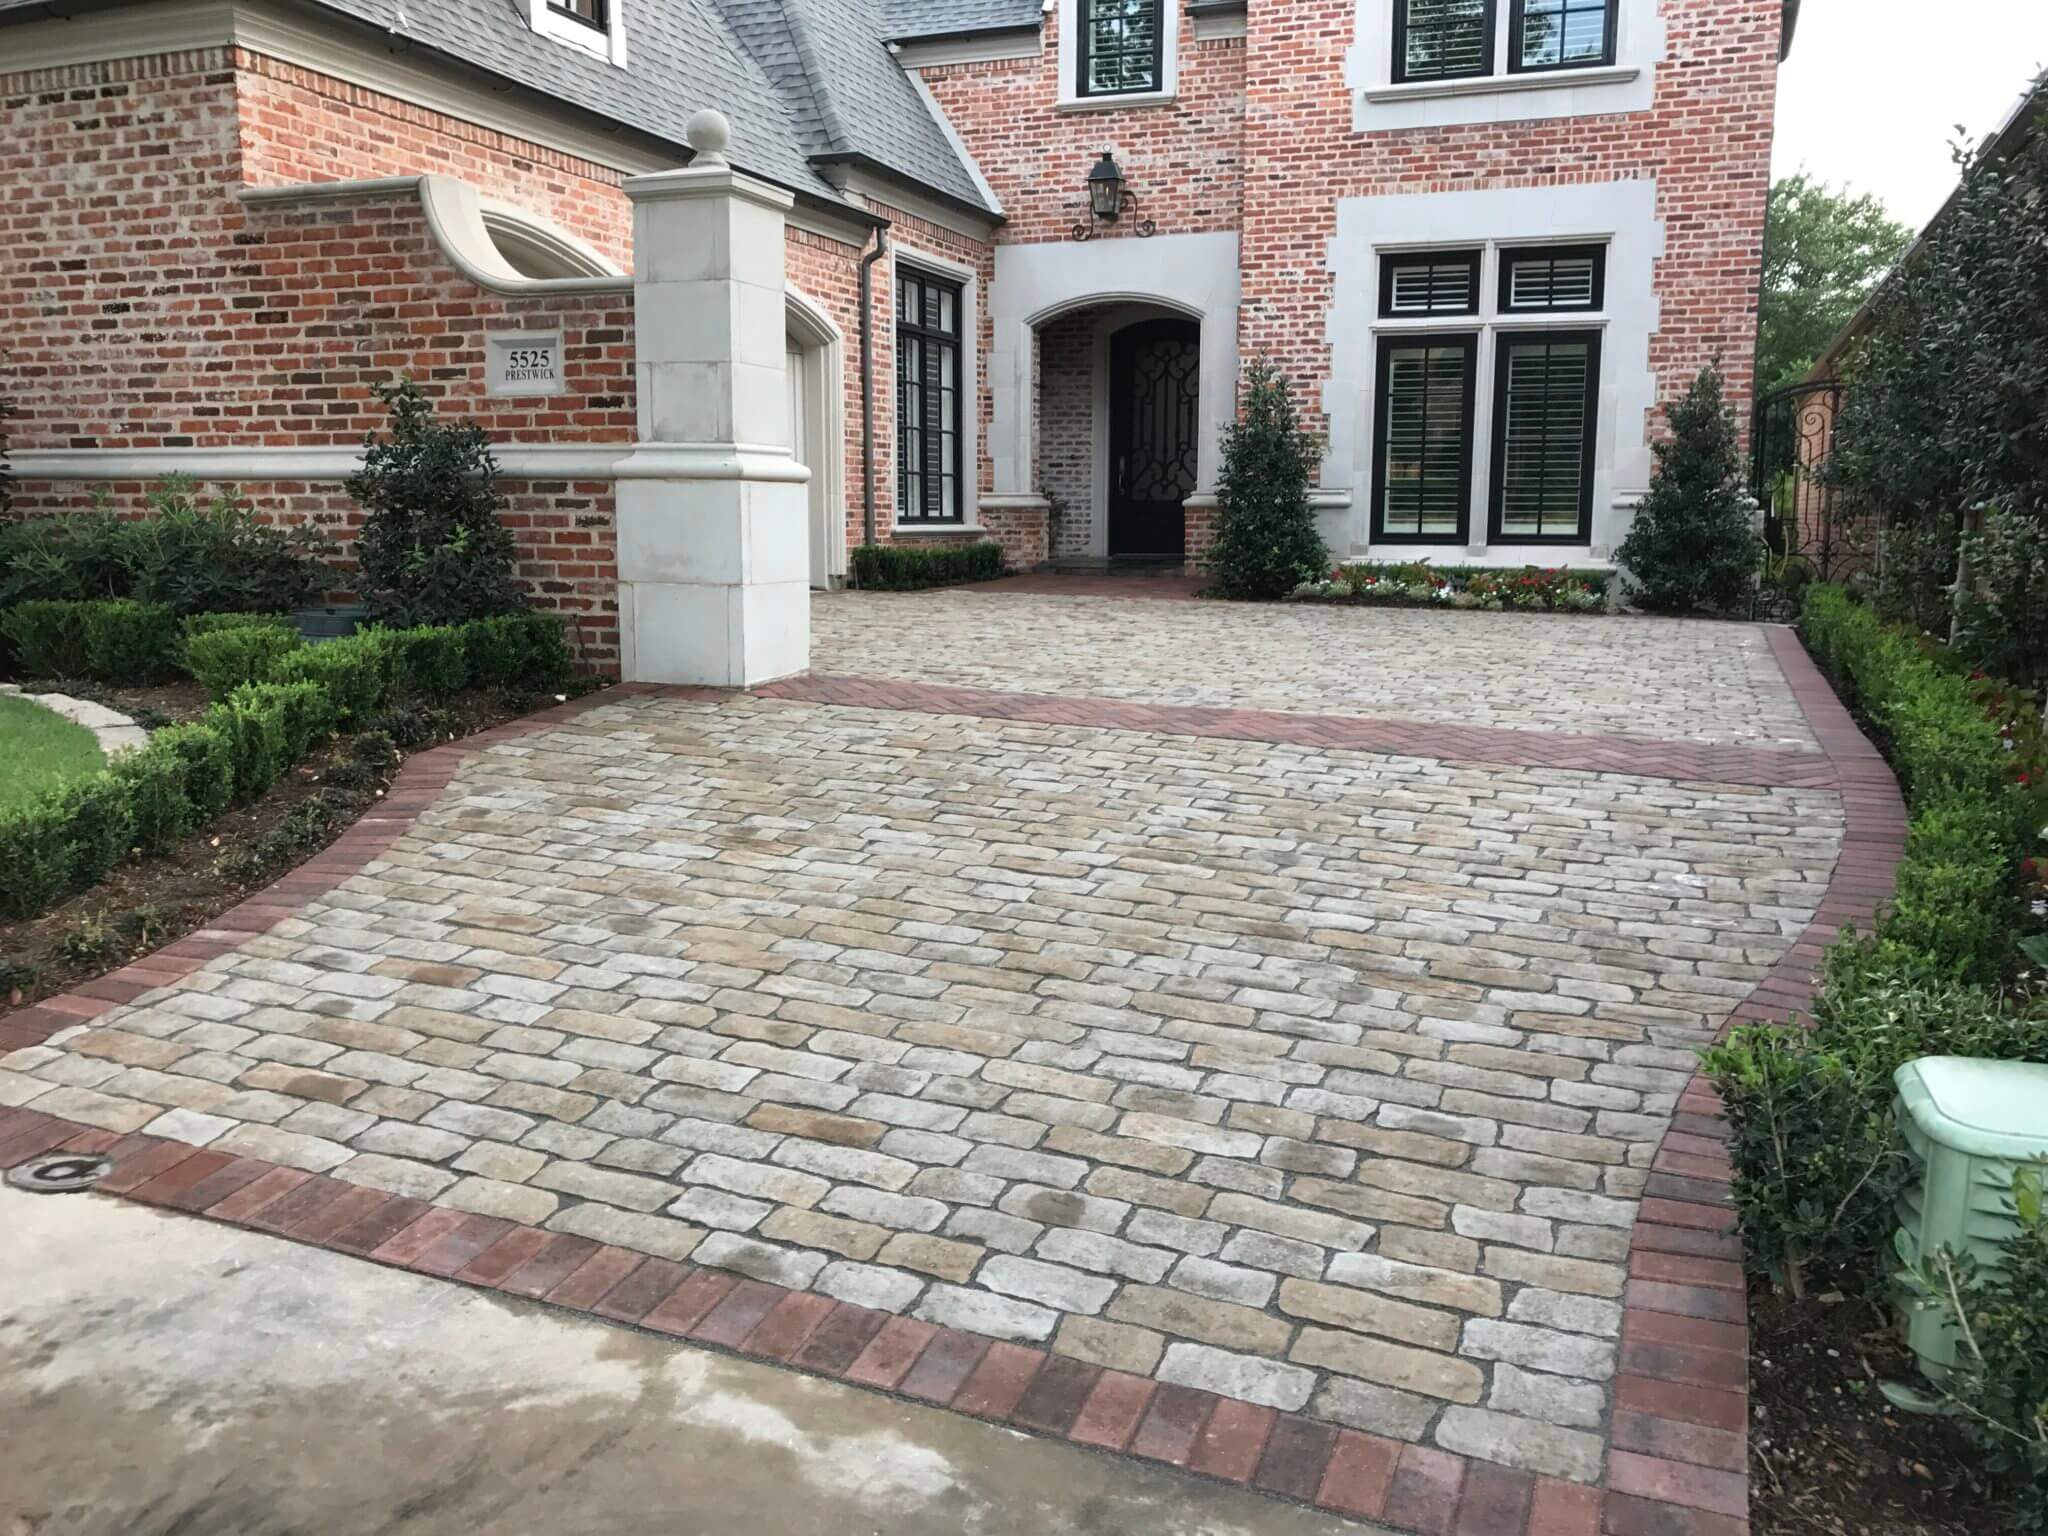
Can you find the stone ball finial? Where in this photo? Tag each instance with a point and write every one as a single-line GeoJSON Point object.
{"type": "Point", "coordinates": [709, 135]}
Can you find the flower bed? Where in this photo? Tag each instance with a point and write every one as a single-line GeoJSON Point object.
{"type": "Point", "coordinates": [1418, 584]}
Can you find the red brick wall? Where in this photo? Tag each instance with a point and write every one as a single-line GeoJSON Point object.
{"type": "Point", "coordinates": [1066, 423]}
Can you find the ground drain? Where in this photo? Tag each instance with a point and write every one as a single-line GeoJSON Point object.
{"type": "Point", "coordinates": [59, 1173]}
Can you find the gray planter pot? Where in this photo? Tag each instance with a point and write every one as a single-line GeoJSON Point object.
{"type": "Point", "coordinates": [330, 623]}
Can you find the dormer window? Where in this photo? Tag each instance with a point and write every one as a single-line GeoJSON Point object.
{"type": "Point", "coordinates": [595, 26]}
{"type": "Point", "coordinates": [1121, 48]}
{"type": "Point", "coordinates": [590, 12]}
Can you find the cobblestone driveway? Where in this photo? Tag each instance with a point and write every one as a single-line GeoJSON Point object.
{"type": "Point", "coordinates": [1321, 1079]}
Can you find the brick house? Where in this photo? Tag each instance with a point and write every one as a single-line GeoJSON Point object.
{"type": "Point", "coordinates": [1027, 244]}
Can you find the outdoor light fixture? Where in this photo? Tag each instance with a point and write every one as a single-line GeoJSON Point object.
{"type": "Point", "coordinates": [1108, 198]}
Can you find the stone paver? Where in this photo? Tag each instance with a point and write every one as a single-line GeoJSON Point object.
{"type": "Point", "coordinates": [1323, 1080]}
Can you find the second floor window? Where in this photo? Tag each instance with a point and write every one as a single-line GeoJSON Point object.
{"type": "Point", "coordinates": [1560, 34]}
{"type": "Point", "coordinates": [1442, 39]}
{"type": "Point", "coordinates": [590, 12]}
{"type": "Point", "coordinates": [1121, 50]}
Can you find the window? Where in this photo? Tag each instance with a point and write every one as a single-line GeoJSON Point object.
{"type": "Point", "coordinates": [1120, 49]}
{"type": "Point", "coordinates": [928, 395]}
{"type": "Point", "coordinates": [589, 12]}
{"type": "Point", "coordinates": [1560, 34]}
{"type": "Point", "coordinates": [1430, 283]}
{"type": "Point", "coordinates": [1545, 394]}
{"type": "Point", "coordinates": [1442, 39]}
{"type": "Point", "coordinates": [1422, 456]}
{"type": "Point", "coordinates": [1556, 278]}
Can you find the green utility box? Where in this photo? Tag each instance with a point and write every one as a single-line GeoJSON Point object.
{"type": "Point", "coordinates": [1969, 1124]}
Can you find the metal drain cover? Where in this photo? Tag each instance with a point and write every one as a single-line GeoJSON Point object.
{"type": "Point", "coordinates": [58, 1173]}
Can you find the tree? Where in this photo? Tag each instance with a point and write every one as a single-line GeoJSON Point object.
{"type": "Point", "coordinates": [1692, 545]}
{"type": "Point", "coordinates": [432, 550]}
{"type": "Point", "coordinates": [1266, 539]}
{"type": "Point", "coordinates": [1824, 251]}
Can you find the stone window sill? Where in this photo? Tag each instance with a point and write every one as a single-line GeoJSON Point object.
{"type": "Point", "coordinates": [934, 530]}
{"type": "Point", "coordinates": [1490, 85]}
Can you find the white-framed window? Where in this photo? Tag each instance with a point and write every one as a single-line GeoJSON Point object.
{"type": "Point", "coordinates": [1487, 354]}
{"type": "Point", "coordinates": [595, 26]}
{"type": "Point", "coordinates": [1115, 53]}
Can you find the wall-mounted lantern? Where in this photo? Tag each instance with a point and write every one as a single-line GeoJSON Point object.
{"type": "Point", "coordinates": [1109, 198]}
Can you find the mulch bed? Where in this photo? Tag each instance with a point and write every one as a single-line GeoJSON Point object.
{"type": "Point", "coordinates": [149, 903]}
{"type": "Point", "coordinates": [1828, 1455]}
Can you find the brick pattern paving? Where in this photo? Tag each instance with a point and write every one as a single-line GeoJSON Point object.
{"type": "Point", "coordinates": [1669, 680]}
{"type": "Point", "coordinates": [1677, 1418]}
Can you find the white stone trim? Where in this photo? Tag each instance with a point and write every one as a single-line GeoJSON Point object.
{"type": "Point", "coordinates": [1381, 104]}
{"type": "Point", "coordinates": [973, 48]}
{"type": "Point", "coordinates": [1069, 97]}
{"type": "Point", "coordinates": [823, 346]}
{"type": "Point", "coordinates": [1620, 214]}
{"type": "Point", "coordinates": [919, 259]}
{"type": "Point", "coordinates": [516, 461]}
{"type": "Point", "coordinates": [1219, 24]}
{"type": "Point", "coordinates": [115, 732]}
{"type": "Point", "coordinates": [1194, 275]}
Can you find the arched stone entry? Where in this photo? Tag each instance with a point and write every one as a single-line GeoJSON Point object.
{"type": "Point", "coordinates": [816, 360]}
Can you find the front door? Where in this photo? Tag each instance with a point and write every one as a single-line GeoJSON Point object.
{"type": "Point", "coordinates": [1154, 375]}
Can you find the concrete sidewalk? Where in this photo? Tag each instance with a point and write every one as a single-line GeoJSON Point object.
{"type": "Point", "coordinates": [161, 1374]}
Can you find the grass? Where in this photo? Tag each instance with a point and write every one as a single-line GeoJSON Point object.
{"type": "Point", "coordinates": [39, 748]}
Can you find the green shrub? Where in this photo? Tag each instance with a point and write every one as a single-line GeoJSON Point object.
{"type": "Point", "coordinates": [99, 825]}
{"type": "Point", "coordinates": [255, 737]}
{"type": "Point", "coordinates": [206, 756]}
{"type": "Point", "coordinates": [223, 659]}
{"type": "Point", "coordinates": [431, 550]}
{"type": "Point", "coordinates": [1692, 545]}
{"type": "Point", "coordinates": [154, 779]}
{"type": "Point", "coordinates": [195, 558]}
{"type": "Point", "coordinates": [430, 660]}
{"type": "Point", "coordinates": [1267, 543]}
{"type": "Point", "coordinates": [355, 671]}
{"type": "Point", "coordinates": [304, 710]}
{"type": "Point", "coordinates": [127, 641]}
{"type": "Point", "coordinates": [48, 637]}
{"type": "Point", "coordinates": [35, 860]}
{"type": "Point", "coordinates": [208, 623]}
{"type": "Point", "coordinates": [911, 567]}
{"type": "Point", "coordinates": [529, 650]}
{"type": "Point", "coordinates": [1955, 900]}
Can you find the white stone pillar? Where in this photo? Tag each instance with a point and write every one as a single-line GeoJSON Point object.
{"type": "Point", "coordinates": [713, 521]}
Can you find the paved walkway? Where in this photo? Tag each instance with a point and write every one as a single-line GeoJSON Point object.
{"type": "Point", "coordinates": [1319, 1079]}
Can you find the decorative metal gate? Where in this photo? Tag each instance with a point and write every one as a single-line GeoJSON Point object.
{"type": "Point", "coordinates": [1155, 378]}
{"type": "Point", "coordinates": [1809, 520]}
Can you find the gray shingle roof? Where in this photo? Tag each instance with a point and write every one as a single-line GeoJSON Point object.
{"type": "Point", "coordinates": [904, 19]}
{"type": "Point", "coordinates": [798, 78]}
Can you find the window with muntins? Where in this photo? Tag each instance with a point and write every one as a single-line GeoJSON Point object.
{"type": "Point", "coordinates": [590, 12]}
{"type": "Point", "coordinates": [928, 399]}
{"type": "Point", "coordinates": [1429, 283]}
{"type": "Point", "coordinates": [1422, 453]}
{"type": "Point", "coordinates": [1122, 47]}
{"type": "Point", "coordinates": [1560, 34]}
{"type": "Point", "coordinates": [1546, 386]}
{"type": "Point", "coordinates": [1442, 39]}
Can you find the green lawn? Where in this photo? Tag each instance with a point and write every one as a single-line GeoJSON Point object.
{"type": "Point", "coordinates": [39, 748]}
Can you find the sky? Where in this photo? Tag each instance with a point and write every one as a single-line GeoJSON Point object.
{"type": "Point", "coordinates": [1875, 89]}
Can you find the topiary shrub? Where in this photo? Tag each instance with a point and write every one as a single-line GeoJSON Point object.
{"type": "Point", "coordinates": [431, 550]}
{"type": "Point", "coordinates": [254, 732]}
{"type": "Point", "coordinates": [355, 672]}
{"type": "Point", "coordinates": [1266, 541]}
{"type": "Point", "coordinates": [522, 650]}
{"type": "Point", "coordinates": [431, 660]}
{"type": "Point", "coordinates": [1693, 546]}
{"type": "Point", "coordinates": [48, 637]}
{"type": "Point", "coordinates": [223, 659]}
{"type": "Point", "coordinates": [304, 711]}
{"type": "Point", "coordinates": [206, 755]}
{"type": "Point", "coordinates": [127, 641]}
{"type": "Point", "coordinates": [913, 567]}
{"type": "Point", "coordinates": [154, 779]}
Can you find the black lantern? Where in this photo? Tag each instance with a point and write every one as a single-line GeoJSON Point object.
{"type": "Point", "coordinates": [1106, 188]}
{"type": "Point", "coordinates": [1108, 199]}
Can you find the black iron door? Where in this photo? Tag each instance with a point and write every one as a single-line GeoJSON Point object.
{"type": "Point", "coordinates": [1154, 375]}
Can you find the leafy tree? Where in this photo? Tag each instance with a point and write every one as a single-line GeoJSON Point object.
{"type": "Point", "coordinates": [1266, 539]}
{"type": "Point", "coordinates": [432, 550]}
{"type": "Point", "coordinates": [1824, 250]}
{"type": "Point", "coordinates": [1693, 545]}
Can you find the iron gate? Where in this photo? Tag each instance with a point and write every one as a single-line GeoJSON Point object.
{"type": "Point", "coordinates": [1809, 520]}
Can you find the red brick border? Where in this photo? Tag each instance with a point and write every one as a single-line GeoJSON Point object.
{"type": "Point", "coordinates": [1678, 1456]}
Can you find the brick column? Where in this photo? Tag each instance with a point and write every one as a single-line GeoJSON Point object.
{"type": "Point", "coordinates": [714, 551]}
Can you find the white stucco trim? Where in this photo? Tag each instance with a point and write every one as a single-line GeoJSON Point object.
{"type": "Point", "coordinates": [1070, 98]}
{"type": "Point", "coordinates": [516, 461]}
{"type": "Point", "coordinates": [1622, 214]}
{"type": "Point", "coordinates": [1380, 103]}
{"type": "Point", "coordinates": [1193, 275]}
{"type": "Point", "coordinates": [458, 217]}
{"type": "Point", "coordinates": [823, 345]}
{"type": "Point", "coordinates": [903, 253]}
